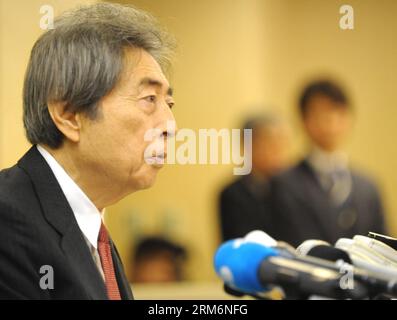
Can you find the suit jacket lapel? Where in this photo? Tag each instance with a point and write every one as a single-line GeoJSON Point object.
{"type": "Point", "coordinates": [58, 213]}
{"type": "Point", "coordinates": [123, 283]}
{"type": "Point", "coordinates": [83, 265]}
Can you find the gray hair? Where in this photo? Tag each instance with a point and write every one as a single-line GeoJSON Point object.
{"type": "Point", "coordinates": [82, 59]}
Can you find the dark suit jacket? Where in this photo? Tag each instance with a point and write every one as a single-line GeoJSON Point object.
{"type": "Point", "coordinates": [38, 228]}
{"type": "Point", "coordinates": [241, 210]}
{"type": "Point", "coordinates": [304, 211]}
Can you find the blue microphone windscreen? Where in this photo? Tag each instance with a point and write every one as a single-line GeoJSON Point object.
{"type": "Point", "coordinates": [237, 263]}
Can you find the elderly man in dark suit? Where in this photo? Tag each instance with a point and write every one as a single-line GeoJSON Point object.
{"type": "Point", "coordinates": [94, 87]}
{"type": "Point", "coordinates": [322, 197]}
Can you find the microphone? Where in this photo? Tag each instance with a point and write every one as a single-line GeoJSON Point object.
{"type": "Point", "coordinates": [391, 242]}
{"type": "Point", "coordinates": [254, 268]}
{"type": "Point", "coordinates": [330, 253]}
{"type": "Point", "coordinates": [261, 238]}
{"type": "Point", "coordinates": [378, 246]}
{"type": "Point", "coordinates": [323, 250]}
{"type": "Point", "coordinates": [361, 260]}
{"type": "Point", "coordinates": [258, 236]}
{"type": "Point", "coordinates": [308, 245]}
{"type": "Point", "coordinates": [375, 279]}
{"type": "Point", "coordinates": [360, 252]}
{"type": "Point", "coordinates": [320, 255]}
{"type": "Point", "coordinates": [237, 262]}
{"type": "Point", "coordinates": [325, 253]}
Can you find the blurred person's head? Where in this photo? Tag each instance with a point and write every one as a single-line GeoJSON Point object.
{"type": "Point", "coordinates": [94, 86]}
{"type": "Point", "coordinates": [326, 113]}
{"type": "Point", "coordinates": [158, 260]}
{"type": "Point", "coordinates": [269, 144]}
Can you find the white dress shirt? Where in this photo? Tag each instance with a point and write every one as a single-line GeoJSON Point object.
{"type": "Point", "coordinates": [88, 217]}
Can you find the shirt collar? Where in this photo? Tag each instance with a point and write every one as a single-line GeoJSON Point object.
{"type": "Point", "coordinates": [88, 217]}
{"type": "Point", "coordinates": [326, 162]}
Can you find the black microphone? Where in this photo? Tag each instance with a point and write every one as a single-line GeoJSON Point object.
{"type": "Point", "coordinates": [329, 253]}
{"type": "Point", "coordinates": [301, 279]}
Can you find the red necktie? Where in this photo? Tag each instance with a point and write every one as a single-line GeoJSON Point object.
{"type": "Point", "coordinates": [107, 264]}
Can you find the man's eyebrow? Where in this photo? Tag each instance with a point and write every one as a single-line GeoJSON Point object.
{"type": "Point", "coordinates": [155, 83]}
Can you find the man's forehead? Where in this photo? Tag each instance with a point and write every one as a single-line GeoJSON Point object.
{"type": "Point", "coordinates": [143, 78]}
{"type": "Point", "coordinates": [153, 80]}
{"type": "Point", "coordinates": [143, 69]}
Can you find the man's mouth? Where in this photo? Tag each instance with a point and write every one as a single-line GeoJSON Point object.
{"type": "Point", "coordinates": [157, 159]}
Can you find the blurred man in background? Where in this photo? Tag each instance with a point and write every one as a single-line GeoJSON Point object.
{"type": "Point", "coordinates": [322, 197]}
{"type": "Point", "coordinates": [158, 260]}
{"type": "Point", "coordinates": [245, 204]}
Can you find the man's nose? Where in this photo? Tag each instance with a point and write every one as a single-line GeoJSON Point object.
{"type": "Point", "coordinates": [168, 126]}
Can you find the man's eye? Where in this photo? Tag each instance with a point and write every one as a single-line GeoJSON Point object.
{"type": "Point", "coordinates": [151, 99]}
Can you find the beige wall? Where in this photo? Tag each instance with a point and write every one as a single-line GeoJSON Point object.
{"type": "Point", "coordinates": [19, 29]}
{"type": "Point", "coordinates": [233, 54]}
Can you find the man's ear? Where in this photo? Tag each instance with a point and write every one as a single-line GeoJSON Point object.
{"type": "Point", "coordinates": [68, 122]}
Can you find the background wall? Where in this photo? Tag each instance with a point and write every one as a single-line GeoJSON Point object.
{"type": "Point", "coordinates": [233, 55]}
{"type": "Point", "coordinates": [19, 29]}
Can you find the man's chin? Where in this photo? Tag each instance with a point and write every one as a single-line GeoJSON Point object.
{"type": "Point", "coordinates": [149, 180]}
{"type": "Point", "coordinates": [144, 179]}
